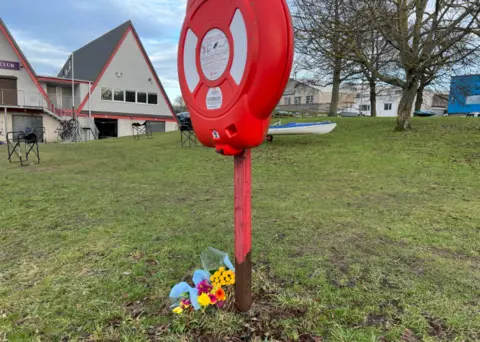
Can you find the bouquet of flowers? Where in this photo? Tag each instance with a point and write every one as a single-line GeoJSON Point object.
{"type": "Point", "coordinates": [212, 284]}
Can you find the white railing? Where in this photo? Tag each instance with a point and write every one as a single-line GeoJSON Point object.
{"type": "Point", "coordinates": [34, 100]}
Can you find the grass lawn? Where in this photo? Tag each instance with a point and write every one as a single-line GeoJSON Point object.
{"type": "Point", "coordinates": [359, 235]}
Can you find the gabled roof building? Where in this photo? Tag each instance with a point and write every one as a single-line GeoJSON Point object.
{"type": "Point", "coordinates": [110, 82]}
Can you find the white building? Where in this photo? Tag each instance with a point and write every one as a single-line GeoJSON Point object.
{"type": "Point", "coordinates": [300, 96]}
{"type": "Point", "coordinates": [388, 100]}
{"type": "Point", "coordinates": [114, 85]}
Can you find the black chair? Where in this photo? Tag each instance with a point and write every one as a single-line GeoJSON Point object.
{"type": "Point", "coordinates": [187, 134]}
{"type": "Point", "coordinates": [15, 141]}
{"type": "Point", "coordinates": [40, 132]}
{"type": "Point", "coordinates": [142, 129]}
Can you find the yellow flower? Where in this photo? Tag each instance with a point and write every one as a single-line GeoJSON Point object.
{"type": "Point", "coordinates": [216, 274]}
{"type": "Point", "coordinates": [204, 300]}
{"type": "Point", "coordinates": [221, 269]}
{"type": "Point", "coordinates": [178, 310]}
{"type": "Point", "coordinates": [212, 278]}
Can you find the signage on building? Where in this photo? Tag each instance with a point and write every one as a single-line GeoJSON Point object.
{"type": "Point", "coordinates": [9, 65]}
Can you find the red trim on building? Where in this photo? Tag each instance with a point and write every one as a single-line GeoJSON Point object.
{"type": "Point", "coordinates": [150, 66]}
{"type": "Point", "coordinates": [59, 80]}
{"type": "Point", "coordinates": [132, 117]}
{"type": "Point", "coordinates": [24, 63]}
{"type": "Point", "coordinates": [22, 111]}
{"type": "Point", "coordinates": [105, 67]}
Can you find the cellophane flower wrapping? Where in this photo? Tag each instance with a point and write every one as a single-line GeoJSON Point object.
{"type": "Point", "coordinates": [212, 259]}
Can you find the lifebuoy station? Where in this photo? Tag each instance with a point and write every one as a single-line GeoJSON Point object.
{"type": "Point", "coordinates": [234, 61]}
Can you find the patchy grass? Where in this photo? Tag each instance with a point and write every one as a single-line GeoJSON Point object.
{"type": "Point", "coordinates": [359, 235]}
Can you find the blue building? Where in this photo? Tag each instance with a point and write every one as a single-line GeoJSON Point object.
{"type": "Point", "coordinates": [464, 95]}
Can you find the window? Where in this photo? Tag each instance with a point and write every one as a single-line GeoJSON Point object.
{"type": "Point", "coordinates": [141, 97]}
{"type": "Point", "coordinates": [106, 94]}
{"type": "Point", "coordinates": [152, 98]}
{"type": "Point", "coordinates": [287, 100]}
{"type": "Point", "coordinates": [297, 100]}
{"type": "Point", "coordinates": [130, 96]}
{"type": "Point", "coordinates": [387, 106]}
{"type": "Point", "coordinates": [473, 100]}
{"type": "Point", "coordinates": [309, 99]}
{"type": "Point", "coordinates": [365, 107]}
{"type": "Point", "coordinates": [119, 95]}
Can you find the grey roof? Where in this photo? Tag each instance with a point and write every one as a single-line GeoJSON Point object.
{"type": "Point", "coordinates": [89, 60]}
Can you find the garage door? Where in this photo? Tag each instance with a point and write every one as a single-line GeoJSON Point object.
{"type": "Point", "coordinates": [8, 91]}
{"type": "Point", "coordinates": [158, 126]}
{"type": "Point", "coordinates": [28, 123]}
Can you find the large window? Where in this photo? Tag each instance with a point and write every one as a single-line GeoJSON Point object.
{"type": "Point", "coordinates": [141, 97]}
{"type": "Point", "coordinates": [119, 95]}
{"type": "Point", "coordinates": [130, 96]}
{"type": "Point", "coordinates": [297, 100]}
{"type": "Point", "coordinates": [107, 94]}
{"type": "Point", "coordinates": [309, 99]}
{"type": "Point", "coordinates": [387, 106]}
{"type": "Point", "coordinates": [152, 98]}
{"type": "Point", "coordinates": [287, 100]}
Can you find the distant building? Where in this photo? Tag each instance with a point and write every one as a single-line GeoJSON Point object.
{"type": "Point", "coordinates": [300, 96]}
{"type": "Point", "coordinates": [464, 95]}
{"type": "Point", "coordinates": [114, 85]}
{"type": "Point", "coordinates": [388, 100]}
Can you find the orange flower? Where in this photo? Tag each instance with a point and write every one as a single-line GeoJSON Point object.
{"type": "Point", "coordinates": [220, 294]}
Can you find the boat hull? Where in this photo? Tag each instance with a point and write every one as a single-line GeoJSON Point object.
{"type": "Point", "coordinates": [296, 129]}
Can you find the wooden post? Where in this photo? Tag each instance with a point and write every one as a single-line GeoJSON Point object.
{"type": "Point", "coordinates": [243, 230]}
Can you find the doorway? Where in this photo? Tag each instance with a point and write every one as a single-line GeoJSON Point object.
{"type": "Point", "coordinates": [107, 128]}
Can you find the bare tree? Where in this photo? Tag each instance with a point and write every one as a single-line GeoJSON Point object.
{"type": "Point", "coordinates": [437, 77]}
{"type": "Point", "coordinates": [426, 34]}
{"type": "Point", "coordinates": [179, 104]}
{"type": "Point", "coordinates": [320, 43]}
{"type": "Point", "coordinates": [379, 54]}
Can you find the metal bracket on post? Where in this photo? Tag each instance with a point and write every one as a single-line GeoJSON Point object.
{"type": "Point", "coordinates": [243, 230]}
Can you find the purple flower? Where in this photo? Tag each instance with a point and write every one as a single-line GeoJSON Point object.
{"type": "Point", "coordinates": [204, 287]}
{"type": "Point", "coordinates": [220, 304]}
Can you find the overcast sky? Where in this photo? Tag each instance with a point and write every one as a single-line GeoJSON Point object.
{"type": "Point", "coordinates": [49, 30]}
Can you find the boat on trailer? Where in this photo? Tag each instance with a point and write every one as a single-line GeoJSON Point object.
{"type": "Point", "coordinates": [296, 128]}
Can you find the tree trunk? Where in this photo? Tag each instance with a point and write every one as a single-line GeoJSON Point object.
{"type": "Point", "coordinates": [373, 98]}
{"type": "Point", "coordinates": [337, 70]}
{"type": "Point", "coordinates": [404, 115]}
{"type": "Point", "coordinates": [419, 101]}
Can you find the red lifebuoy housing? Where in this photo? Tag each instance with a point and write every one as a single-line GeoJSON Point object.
{"type": "Point", "coordinates": [234, 61]}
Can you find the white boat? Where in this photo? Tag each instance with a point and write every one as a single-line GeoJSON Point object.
{"type": "Point", "coordinates": [294, 128]}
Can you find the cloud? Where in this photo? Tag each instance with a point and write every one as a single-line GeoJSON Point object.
{"type": "Point", "coordinates": [157, 21]}
{"type": "Point", "coordinates": [163, 54]}
{"type": "Point", "coordinates": [44, 56]}
{"type": "Point", "coordinates": [154, 12]}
